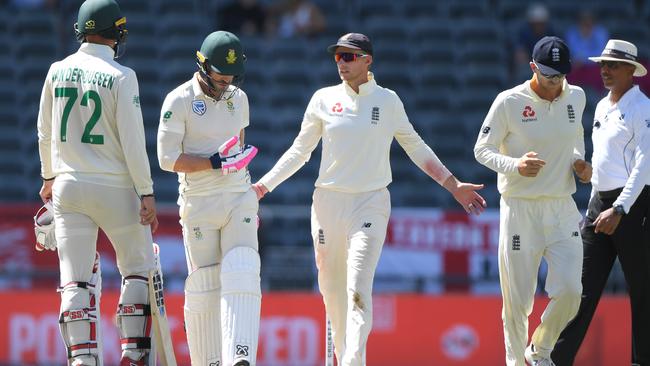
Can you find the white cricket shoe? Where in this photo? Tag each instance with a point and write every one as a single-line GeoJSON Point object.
{"type": "Point", "coordinates": [540, 362]}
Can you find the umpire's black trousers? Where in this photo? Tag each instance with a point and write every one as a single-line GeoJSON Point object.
{"type": "Point", "coordinates": [631, 243]}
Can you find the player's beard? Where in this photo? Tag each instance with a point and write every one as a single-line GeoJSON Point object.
{"type": "Point", "coordinates": [212, 89]}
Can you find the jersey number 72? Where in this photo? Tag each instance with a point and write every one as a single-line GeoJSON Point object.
{"type": "Point", "coordinates": [72, 94]}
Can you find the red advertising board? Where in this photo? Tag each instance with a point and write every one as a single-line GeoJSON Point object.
{"type": "Point", "coordinates": [408, 329]}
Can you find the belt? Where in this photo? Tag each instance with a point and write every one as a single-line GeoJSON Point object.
{"type": "Point", "coordinates": [613, 194]}
{"type": "Point", "coordinates": [607, 195]}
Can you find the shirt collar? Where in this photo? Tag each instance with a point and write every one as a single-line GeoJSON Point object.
{"type": "Point", "coordinates": [196, 87]}
{"type": "Point", "coordinates": [627, 97]}
{"type": "Point", "coordinates": [198, 91]}
{"type": "Point", "coordinates": [96, 49]}
{"type": "Point", "coordinates": [365, 88]}
{"type": "Point", "coordinates": [537, 98]}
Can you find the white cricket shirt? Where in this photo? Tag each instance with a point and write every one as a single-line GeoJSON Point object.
{"type": "Point", "coordinates": [520, 121]}
{"type": "Point", "coordinates": [89, 123]}
{"type": "Point", "coordinates": [621, 139]}
{"type": "Point", "coordinates": [195, 124]}
{"type": "Point", "coordinates": [357, 131]}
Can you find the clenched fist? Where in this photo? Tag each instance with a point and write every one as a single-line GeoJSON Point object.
{"type": "Point", "coordinates": [529, 165]}
{"type": "Point", "coordinates": [583, 170]}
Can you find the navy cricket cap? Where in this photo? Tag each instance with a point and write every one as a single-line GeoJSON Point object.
{"type": "Point", "coordinates": [356, 41]}
{"type": "Point", "coordinates": [552, 56]}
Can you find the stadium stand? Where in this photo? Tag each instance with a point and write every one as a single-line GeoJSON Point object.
{"type": "Point", "coordinates": [447, 60]}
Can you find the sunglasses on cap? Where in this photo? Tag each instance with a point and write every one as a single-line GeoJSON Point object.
{"type": "Point", "coordinates": [348, 56]}
{"type": "Point", "coordinates": [555, 77]}
{"type": "Point", "coordinates": [610, 64]}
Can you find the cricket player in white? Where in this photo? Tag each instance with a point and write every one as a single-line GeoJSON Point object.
{"type": "Point", "coordinates": [199, 136]}
{"type": "Point", "coordinates": [533, 137]}
{"type": "Point", "coordinates": [357, 121]}
{"type": "Point", "coordinates": [96, 172]}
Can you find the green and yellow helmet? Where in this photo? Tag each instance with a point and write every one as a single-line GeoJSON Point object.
{"type": "Point", "coordinates": [222, 52]}
{"type": "Point", "coordinates": [102, 17]}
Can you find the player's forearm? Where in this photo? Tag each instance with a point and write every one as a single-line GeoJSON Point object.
{"type": "Point", "coordinates": [45, 152]}
{"type": "Point", "coordinates": [491, 158]}
{"type": "Point", "coordinates": [288, 164]}
{"type": "Point", "coordinates": [428, 161]}
{"type": "Point", "coordinates": [190, 164]}
{"type": "Point", "coordinates": [451, 184]}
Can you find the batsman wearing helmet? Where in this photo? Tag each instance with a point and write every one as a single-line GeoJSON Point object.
{"type": "Point", "coordinates": [357, 121]}
{"type": "Point", "coordinates": [95, 171]}
{"type": "Point", "coordinates": [200, 136]}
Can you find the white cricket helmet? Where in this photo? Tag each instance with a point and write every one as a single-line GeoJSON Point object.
{"type": "Point", "coordinates": [44, 228]}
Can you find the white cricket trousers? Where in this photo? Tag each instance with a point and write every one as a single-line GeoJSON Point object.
{"type": "Point", "coordinates": [214, 224]}
{"type": "Point", "coordinates": [80, 208]}
{"type": "Point", "coordinates": [349, 231]}
{"type": "Point", "coordinates": [529, 230]}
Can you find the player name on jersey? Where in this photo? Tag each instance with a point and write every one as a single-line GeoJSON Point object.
{"type": "Point", "coordinates": [76, 74]}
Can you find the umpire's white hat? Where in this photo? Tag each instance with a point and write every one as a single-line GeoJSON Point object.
{"type": "Point", "coordinates": [622, 51]}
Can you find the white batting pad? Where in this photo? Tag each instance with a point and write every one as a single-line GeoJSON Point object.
{"type": "Point", "coordinates": [134, 318]}
{"type": "Point", "coordinates": [80, 322]}
{"type": "Point", "coordinates": [241, 298]}
{"type": "Point", "coordinates": [202, 315]}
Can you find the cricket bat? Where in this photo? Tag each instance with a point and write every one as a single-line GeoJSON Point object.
{"type": "Point", "coordinates": [161, 334]}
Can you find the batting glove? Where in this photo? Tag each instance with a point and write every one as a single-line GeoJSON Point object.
{"type": "Point", "coordinates": [232, 157]}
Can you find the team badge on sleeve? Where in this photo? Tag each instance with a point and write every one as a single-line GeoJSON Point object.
{"type": "Point", "coordinates": [198, 107]}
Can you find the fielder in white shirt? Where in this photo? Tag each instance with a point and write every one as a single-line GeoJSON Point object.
{"type": "Point", "coordinates": [96, 172]}
{"type": "Point", "coordinates": [200, 136]}
{"type": "Point", "coordinates": [357, 121]}
{"type": "Point", "coordinates": [533, 138]}
{"type": "Point", "coordinates": [618, 218]}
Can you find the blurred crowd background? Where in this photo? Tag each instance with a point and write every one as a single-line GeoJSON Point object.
{"type": "Point", "coordinates": [447, 60]}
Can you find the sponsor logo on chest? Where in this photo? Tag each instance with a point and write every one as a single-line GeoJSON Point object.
{"type": "Point", "coordinates": [528, 114]}
{"type": "Point", "coordinates": [337, 108]}
{"type": "Point", "coordinates": [198, 107]}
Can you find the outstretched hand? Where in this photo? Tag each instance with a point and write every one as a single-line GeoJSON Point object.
{"type": "Point", "coordinates": [466, 195]}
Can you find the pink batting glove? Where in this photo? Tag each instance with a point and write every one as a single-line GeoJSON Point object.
{"type": "Point", "coordinates": [238, 161]}
{"type": "Point", "coordinates": [230, 147]}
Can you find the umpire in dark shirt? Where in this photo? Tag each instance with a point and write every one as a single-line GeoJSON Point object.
{"type": "Point", "coordinates": [618, 218]}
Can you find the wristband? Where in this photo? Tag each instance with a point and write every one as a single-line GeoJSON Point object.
{"type": "Point", "coordinates": [215, 160]}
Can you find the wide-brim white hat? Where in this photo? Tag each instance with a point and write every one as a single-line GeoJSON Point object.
{"type": "Point", "coordinates": [622, 51]}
